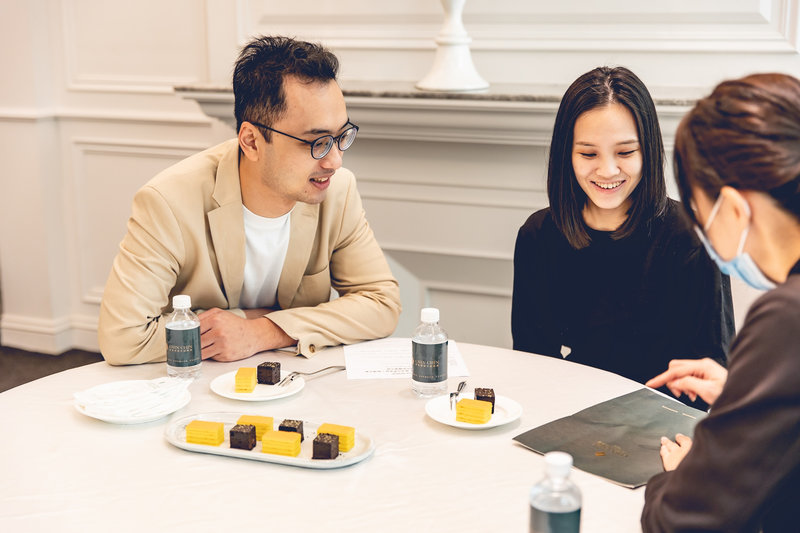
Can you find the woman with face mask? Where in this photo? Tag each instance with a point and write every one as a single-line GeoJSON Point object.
{"type": "Point", "coordinates": [737, 159]}
{"type": "Point", "coordinates": [610, 275]}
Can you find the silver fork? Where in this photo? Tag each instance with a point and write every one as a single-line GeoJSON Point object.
{"type": "Point", "coordinates": [291, 375]}
{"type": "Point", "coordinates": [454, 395]}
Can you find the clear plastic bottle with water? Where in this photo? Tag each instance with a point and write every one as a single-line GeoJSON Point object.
{"type": "Point", "coordinates": [183, 339]}
{"type": "Point", "coordinates": [555, 500]}
{"type": "Point", "coordinates": [429, 356]}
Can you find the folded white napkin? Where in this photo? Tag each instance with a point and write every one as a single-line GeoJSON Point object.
{"type": "Point", "coordinates": [132, 399]}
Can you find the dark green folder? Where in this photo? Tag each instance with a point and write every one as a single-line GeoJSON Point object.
{"type": "Point", "coordinates": [619, 439]}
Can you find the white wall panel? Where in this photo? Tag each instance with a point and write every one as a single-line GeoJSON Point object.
{"type": "Point", "coordinates": [480, 325]}
{"type": "Point", "coordinates": [471, 274]}
{"type": "Point", "coordinates": [514, 41]}
{"type": "Point", "coordinates": [106, 178]}
{"type": "Point", "coordinates": [30, 233]}
{"type": "Point", "coordinates": [405, 163]}
{"type": "Point", "coordinates": [26, 59]}
{"type": "Point", "coordinates": [446, 228]}
{"type": "Point", "coordinates": [517, 25]}
{"type": "Point", "coordinates": [147, 45]}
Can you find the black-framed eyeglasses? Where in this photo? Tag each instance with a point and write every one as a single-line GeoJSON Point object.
{"type": "Point", "coordinates": [322, 145]}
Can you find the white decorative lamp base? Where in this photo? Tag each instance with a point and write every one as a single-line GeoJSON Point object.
{"type": "Point", "coordinates": [453, 69]}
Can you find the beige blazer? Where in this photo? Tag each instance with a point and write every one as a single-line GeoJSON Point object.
{"type": "Point", "coordinates": [186, 236]}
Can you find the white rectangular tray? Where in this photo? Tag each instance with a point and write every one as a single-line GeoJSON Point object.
{"type": "Point", "coordinates": [176, 435]}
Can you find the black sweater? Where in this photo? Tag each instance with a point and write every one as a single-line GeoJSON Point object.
{"type": "Point", "coordinates": [628, 306]}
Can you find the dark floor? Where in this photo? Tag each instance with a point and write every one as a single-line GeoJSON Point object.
{"type": "Point", "coordinates": [20, 366]}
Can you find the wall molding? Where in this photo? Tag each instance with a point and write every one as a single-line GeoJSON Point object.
{"type": "Point", "coordinates": [790, 23]}
{"type": "Point", "coordinates": [126, 85]}
{"type": "Point", "coordinates": [430, 119]}
{"type": "Point", "coordinates": [469, 286]}
{"type": "Point", "coordinates": [769, 27]}
{"type": "Point", "coordinates": [27, 114]}
{"type": "Point", "coordinates": [50, 326]}
{"type": "Point", "coordinates": [137, 147]}
{"type": "Point", "coordinates": [93, 295]}
{"type": "Point", "coordinates": [30, 114]}
{"type": "Point", "coordinates": [440, 193]}
{"type": "Point", "coordinates": [465, 288]}
{"type": "Point", "coordinates": [443, 120]}
{"type": "Point", "coordinates": [109, 83]}
{"type": "Point", "coordinates": [512, 120]}
{"type": "Point", "coordinates": [49, 335]}
{"type": "Point", "coordinates": [86, 146]}
{"type": "Point", "coordinates": [449, 253]}
{"type": "Point", "coordinates": [145, 117]}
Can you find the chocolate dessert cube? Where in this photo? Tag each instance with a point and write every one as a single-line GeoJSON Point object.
{"type": "Point", "coordinates": [292, 425]}
{"type": "Point", "coordinates": [269, 373]}
{"type": "Point", "coordinates": [486, 395]}
{"type": "Point", "coordinates": [243, 436]}
{"type": "Point", "coordinates": [326, 446]}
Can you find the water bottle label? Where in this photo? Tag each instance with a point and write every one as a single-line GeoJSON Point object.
{"type": "Point", "coordinates": [429, 362]}
{"type": "Point", "coordinates": [551, 522]}
{"type": "Point", "coordinates": [183, 347]}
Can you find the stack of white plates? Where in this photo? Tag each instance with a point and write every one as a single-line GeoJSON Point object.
{"type": "Point", "coordinates": [134, 401]}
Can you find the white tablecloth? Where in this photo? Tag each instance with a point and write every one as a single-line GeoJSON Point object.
{"type": "Point", "coordinates": [63, 471]}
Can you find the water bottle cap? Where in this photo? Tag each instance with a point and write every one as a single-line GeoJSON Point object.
{"type": "Point", "coordinates": [557, 464]}
{"type": "Point", "coordinates": [429, 314]}
{"type": "Point", "coordinates": [181, 301]}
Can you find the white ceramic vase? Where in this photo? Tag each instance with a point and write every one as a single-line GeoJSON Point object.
{"type": "Point", "coordinates": [453, 69]}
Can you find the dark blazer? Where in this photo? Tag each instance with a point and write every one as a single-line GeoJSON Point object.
{"type": "Point", "coordinates": [743, 470]}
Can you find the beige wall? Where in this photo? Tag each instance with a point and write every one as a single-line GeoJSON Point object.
{"type": "Point", "coordinates": [87, 115]}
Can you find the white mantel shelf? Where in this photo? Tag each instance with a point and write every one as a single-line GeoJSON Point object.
{"type": "Point", "coordinates": [503, 114]}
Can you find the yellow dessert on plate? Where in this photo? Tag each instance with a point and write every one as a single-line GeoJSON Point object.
{"type": "Point", "coordinates": [245, 380]}
{"type": "Point", "coordinates": [203, 432]}
{"type": "Point", "coordinates": [473, 411]}
{"type": "Point", "coordinates": [262, 423]}
{"type": "Point", "coordinates": [346, 434]}
{"type": "Point", "coordinates": [281, 443]}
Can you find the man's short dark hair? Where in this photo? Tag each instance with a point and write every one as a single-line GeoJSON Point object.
{"type": "Point", "coordinates": [261, 68]}
{"type": "Point", "coordinates": [599, 88]}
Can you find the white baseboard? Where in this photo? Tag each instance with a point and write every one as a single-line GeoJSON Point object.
{"type": "Point", "coordinates": [51, 336]}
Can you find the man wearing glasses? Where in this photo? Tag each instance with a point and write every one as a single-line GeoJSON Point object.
{"type": "Point", "coordinates": [257, 230]}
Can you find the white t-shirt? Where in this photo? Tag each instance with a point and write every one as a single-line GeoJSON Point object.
{"type": "Point", "coordinates": [267, 240]}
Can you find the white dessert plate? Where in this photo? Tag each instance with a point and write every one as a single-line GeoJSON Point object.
{"type": "Point", "coordinates": [142, 390]}
{"type": "Point", "coordinates": [225, 385]}
{"type": "Point", "coordinates": [505, 410]}
{"type": "Point", "coordinates": [176, 435]}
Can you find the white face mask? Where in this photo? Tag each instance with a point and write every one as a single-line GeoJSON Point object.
{"type": "Point", "coordinates": [742, 265]}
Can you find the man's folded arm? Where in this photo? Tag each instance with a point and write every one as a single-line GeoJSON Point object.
{"type": "Point", "coordinates": [135, 302]}
{"type": "Point", "coordinates": [368, 306]}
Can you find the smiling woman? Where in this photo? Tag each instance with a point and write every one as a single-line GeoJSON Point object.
{"type": "Point", "coordinates": [611, 275]}
{"type": "Point", "coordinates": [607, 162]}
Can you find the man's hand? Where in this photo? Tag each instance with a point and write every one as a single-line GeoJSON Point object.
{"type": "Point", "coordinates": [226, 337]}
{"type": "Point", "coordinates": [672, 453]}
{"type": "Point", "coordinates": [693, 377]}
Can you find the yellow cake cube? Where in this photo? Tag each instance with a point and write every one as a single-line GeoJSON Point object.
{"type": "Point", "coordinates": [473, 411]}
{"type": "Point", "coordinates": [262, 423]}
{"type": "Point", "coordinates": [281, 443]}
{"type": "Point", "coordinates": [346, 434]}
{"type": "Point", "coordinates": [203, 432]}
{"type": "Point", "coordinates": [245, 380]}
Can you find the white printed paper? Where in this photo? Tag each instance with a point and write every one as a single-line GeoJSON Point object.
{"type": "Point", "coordinates": [391, 358]}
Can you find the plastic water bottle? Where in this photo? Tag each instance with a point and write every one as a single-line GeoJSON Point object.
{"type": "Point", "coordinates": [429, 354]}
{"type": "Point", "coordinates": [556, 501]}
{"type": "Point", "coordinates": [183, 339]}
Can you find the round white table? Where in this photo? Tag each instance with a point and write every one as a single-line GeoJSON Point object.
{"type": "Point", "coordinates": [63, 471]}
